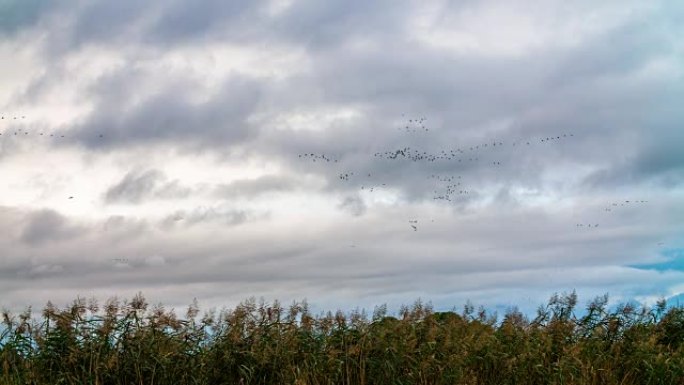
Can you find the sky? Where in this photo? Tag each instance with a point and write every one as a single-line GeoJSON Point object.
{"type": "Point", "coordinates": [350, 153]}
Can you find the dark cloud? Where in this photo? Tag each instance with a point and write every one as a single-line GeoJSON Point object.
{"type": "Point", "coordinates": [253, 188]}
{"type": "Point", "coordinates": [209, 216]}
{"type": "Point", "coordinates": [158, 23]}
{"type": "Point", "coordinates": [106, 22]}
{"type": "Point", "coordinates": [354, 205]}
{"type": "Point", "coordinates": [164, 24]}
{"type": "Point", "coordinates": [187, 20]}
{"type": "Point", "coordinates": [337, 22]}
{"type": "Point", "coordinates": [48, 225]}
{"type": "Point", "coordinates": [139, 185]}
{"type": "Point", "coordinates": [654, 160]}
{"type": "Point", "coordinates": [172, 190]}
{"type": "Point", "coordinates": [229, 218]}
{"type": "Point", "coordinates": [18, 14]}
{"type": "Point", "coordinates": [170, 115]}
{"type": "Point", "coordinates": [133, 187]}
{"type": "Point", "coordinates": [662, 156]}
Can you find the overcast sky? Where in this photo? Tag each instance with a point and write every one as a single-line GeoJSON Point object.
{"type": "Point", "coordinates": [496, 151]}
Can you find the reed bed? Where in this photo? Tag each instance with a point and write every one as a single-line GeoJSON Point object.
{"type": "Point", "coordinates": [131, 342]}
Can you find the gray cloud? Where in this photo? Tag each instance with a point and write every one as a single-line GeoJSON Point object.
{"type": "Point", "coordinates": [253, 188]}
{"type": "Point", "coordinates": [229, 218]}
{"type": "Point", "coordinates": [337, 22]}
{"type": "Point", "coordinates": [157, 22]}
{"type": "Point", "coordinates": [138, 185]}
{"type": "Point", "coordinates": [354, 205]}
{"type": "Point", "coordinates": [219, 216]}
{"type": "Point", "coordinates": [169, 116]}
{"type": "Point", "coordinates": [656, 160]}
{"type": "Point", "coordinates": [298, 262]}
{"type": "Point", "coordinates": [462, 94]}
{"type": "Point", "coordinates": [361, 72]}
{"type": "Point", "coordinates": [47, 225]}
{"type": "Point", "coordinates": [18, 14]}
{"type": "Point", "coordinates": [119, 227]}
{"type": "Point", "coordinates": [133, 187]}
{"type": "Point", "coordinates": [164, 24]}
{"type": "Point", "coordinates": [471, 100]}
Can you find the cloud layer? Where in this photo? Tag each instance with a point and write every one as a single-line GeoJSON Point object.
{"type": "Point", "coordinates": [350, 152]}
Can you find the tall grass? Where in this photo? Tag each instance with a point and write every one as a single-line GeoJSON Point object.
{"type": "Point", "coordinates": [131, 342]}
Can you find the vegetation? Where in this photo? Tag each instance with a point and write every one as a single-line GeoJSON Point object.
{"type": "Point", "coordinates": [130, 342]}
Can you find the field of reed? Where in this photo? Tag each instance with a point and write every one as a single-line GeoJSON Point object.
{"type": "Point", "coordinates": [131, 342]}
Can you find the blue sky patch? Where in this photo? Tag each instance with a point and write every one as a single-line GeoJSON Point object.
{"type": "Point", "coordinates": [674, 261]}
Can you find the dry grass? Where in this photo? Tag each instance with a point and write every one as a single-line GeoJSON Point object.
{"type": "Point", "coordinates": [257, 343]}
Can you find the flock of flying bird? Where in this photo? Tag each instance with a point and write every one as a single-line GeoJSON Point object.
{"type": "Point", "coordinates": [610, 207]}
{"type": "Point", "coordinates": [447, 188]}
{"type": "Point", "coordinates": [19, 132]}
{"type": "Point", "coordinates": [415, 125]}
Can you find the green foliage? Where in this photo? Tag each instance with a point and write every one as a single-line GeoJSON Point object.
{"type": "Point", "coordinates": [131, 342]}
